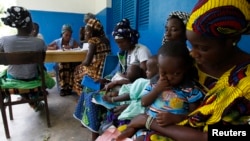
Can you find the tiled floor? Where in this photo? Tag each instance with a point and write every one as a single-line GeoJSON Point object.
{"type": "Point", "coordinates": [31, 126]}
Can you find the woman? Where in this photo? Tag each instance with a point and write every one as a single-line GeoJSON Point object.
{"type": "Point", "coordinates": [82, 29]}
{"type": "Point", "coordinates": [99, 48]}
{"type": "Point", "coordinates": [20, 18]}
{"type": "Point", "coordinates": [65, 70]}
{"type": "Point", "coordinates": [223, 71]}
{"type": "Point", "coordinates": [87, 112]}
{"type": "Point", "coordinates": [175, 28]}
{"type": "Point", "coordinates": [35, 31]}
{"type": "Point", "coordinates": [131, 52]}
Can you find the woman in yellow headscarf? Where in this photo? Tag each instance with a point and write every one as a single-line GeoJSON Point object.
{"type": "Point", "coordinates": [214, 30]}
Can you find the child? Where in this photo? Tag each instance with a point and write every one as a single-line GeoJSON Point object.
{"type": "Point", "coordinates": [176, 91]}
{"type": "Point", "coordinates": [134, 72]}
{"type": "Point", "coordinates": [132, 92]}
{"type": "Point", "coordinates": [129, 95]}
{"type": "Point", "coordinates": [90, 118]}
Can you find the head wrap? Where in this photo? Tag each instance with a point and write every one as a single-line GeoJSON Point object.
{"type": "Point", "coordinates": [220, 19]}
{"type": "Point", "coordinates": [66, 27]}
{"type": "Point", "coordinates": [17, 17]}
{"type": "Point", "coordinates": [183, 16]}
{"type": "Point", "coordinates": [96, 27]}
{"type": "Point", "coordinates": [88, 16]}
{"type": "Point", "coordinates": [123, 30]}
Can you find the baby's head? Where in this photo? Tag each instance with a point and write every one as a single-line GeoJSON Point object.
{"type": "Point", "coordinates": [175, 63]}
{"type": "Point", "coordinates": [152, 67]}
{"type": "Point", "coordinates": [134, 72]}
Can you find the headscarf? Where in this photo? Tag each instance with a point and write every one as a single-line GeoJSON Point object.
{"type": "Point", "coordinates": [96, 26]}
{"type": "Point", "coordinates": [183, 16]}
{"type": "Point", "coordinates": [123, 30]}
{"type": "Point", "coordinates": [220, 19]}
{"type": "Point", "coordinates": [88, 16]}
{"type": "Point", "coordinates": [17, 17]}
{"type": "Point", "coordinates": [66, 27]}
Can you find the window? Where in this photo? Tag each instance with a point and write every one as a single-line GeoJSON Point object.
{"type": "Point", "coordinates": [137, 11]}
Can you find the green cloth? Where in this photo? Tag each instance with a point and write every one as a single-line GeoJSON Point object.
{"type": "Point", "coordinates": [135, 93]}
{"type": "Point", "coordinates": [7, 83]}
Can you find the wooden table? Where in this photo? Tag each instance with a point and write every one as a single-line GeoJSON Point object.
{"type": "Point", "coordinates": [65, 56]}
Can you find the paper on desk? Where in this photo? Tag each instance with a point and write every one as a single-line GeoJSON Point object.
{"type": "Point", "coordinates": [85, 46]}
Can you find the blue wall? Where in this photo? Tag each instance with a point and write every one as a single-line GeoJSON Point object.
{"type": "Point", "coordinates": [51, 22]}
{"type": "Point", "coordinates": [158, 12]}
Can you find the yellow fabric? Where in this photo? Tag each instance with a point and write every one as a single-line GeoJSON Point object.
{"type": "Point", "coordinates": [243, 5]}
{"type": "Point", "coordinates": [225, 94]}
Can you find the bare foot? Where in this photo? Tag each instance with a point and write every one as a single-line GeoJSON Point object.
{"type": "Point", "coordinates": [127, 133]}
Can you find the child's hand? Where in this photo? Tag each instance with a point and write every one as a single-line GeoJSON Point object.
{"type": "Point", "coordinates": [162, 84]}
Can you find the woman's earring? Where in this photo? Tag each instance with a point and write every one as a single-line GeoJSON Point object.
{"type": "Point", "coordinates": [234, 43]}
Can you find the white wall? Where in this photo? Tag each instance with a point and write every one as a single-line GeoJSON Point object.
{"type": "Point", "coordinates": [6, 30]}
{"type": "Point", "coordinates": [70, 6]}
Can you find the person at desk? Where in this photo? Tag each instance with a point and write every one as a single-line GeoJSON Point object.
{"type": "Point", "coordinates": [20, 18]}
{"type": "Point", "coordinates": [35, 31]}
{"type": "Point", "coordinates": [64, 71]}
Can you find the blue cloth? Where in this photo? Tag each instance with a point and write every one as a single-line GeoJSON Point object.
{"type": "Point", "coordinates": [175, 100]}
{"type": "Point", "coordinates": [59, 42]}
{"type": "Point", "coordinates": [91, 119]}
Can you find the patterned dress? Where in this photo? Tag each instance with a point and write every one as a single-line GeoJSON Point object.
{"type": "Point", "coordinates": [227, 101]}
{"type": "Point", "coordinates": [94, 70]}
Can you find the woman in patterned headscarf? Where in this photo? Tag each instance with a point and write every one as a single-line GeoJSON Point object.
{"type": "Point", "coordinates": [130, 51]}
{"type": "Point", "coordinates": [99, 48]}
{"type": "Point", "coordinates": [214, 30]}
{"type": "Point", "coordinates": [20, 18]}
{"type": "Point", "coordinates": [175, 28]}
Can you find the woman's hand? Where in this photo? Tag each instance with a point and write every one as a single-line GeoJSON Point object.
{"type": "Point", "coordinates": [110, 85]}
{"type": "Point", "coordinates": [66, 47]}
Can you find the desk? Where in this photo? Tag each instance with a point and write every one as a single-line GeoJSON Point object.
{"type": "Point", "coordinates": [65, 56]}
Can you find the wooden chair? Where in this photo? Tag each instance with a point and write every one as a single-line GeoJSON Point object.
{"type": "Point", "coordinates": [17, 58]}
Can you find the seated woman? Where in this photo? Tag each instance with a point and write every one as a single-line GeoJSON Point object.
{"type": "Point", "coordinates": [131, 53]}
{"type": "Point", "coordinates": [99, 48]}
{"type": "Point", "coordinates": [20, 18]}
{"type": "Point", "coordinates": [64, 71]}
{"type": "Point", "coordinates": [223, 70]}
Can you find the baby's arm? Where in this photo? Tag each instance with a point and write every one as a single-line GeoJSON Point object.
{"type": "Point", "coordinates": [112, 98]}
{"type": "Point", "coordinates": [123, 97]}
